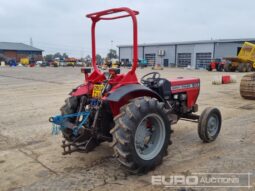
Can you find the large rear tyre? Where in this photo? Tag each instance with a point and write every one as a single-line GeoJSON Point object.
{"type": "Point", "coordinates": [70, 107]}
{"type": "Point", "coordinates": [247, 87]}
{"type": "Point", "coordinates": [141, 134]}
{"type": "Point", "coordinates": [209, 124]}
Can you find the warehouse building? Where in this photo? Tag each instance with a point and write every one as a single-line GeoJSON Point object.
{"type": "Point", "coordinates": [196, 54]}
{"type": "Point", "coordinates": [17, 51]}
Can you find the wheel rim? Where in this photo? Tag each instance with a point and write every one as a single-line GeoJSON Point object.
{"type": "Point", "coordinates": [213, 125]}
{"type": "Point", "coordinates": [150, 136]}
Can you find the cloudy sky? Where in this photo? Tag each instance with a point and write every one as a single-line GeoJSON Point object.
{"type": "Point", "coordinates": [61, 26]}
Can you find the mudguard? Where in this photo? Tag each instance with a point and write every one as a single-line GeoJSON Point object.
{"type": "Point", "coordinates": [122, 95]}
{"type": "Point", "coordinates": [82, 90]}
{"type": "Point", "coordinates": [131, 91]}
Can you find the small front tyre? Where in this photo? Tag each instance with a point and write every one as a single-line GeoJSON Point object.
{"type": "Point", "coordinates": [209, 124]}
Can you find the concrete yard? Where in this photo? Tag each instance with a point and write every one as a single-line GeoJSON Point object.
{"type": "Point", "coordinates": [31, 159]}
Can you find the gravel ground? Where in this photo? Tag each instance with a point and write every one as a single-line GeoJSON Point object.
{"type": "Point", "coordinates": [31, 159]}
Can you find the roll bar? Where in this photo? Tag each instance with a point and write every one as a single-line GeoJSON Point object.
{"type": "Point", "coordinates": [104, 15]}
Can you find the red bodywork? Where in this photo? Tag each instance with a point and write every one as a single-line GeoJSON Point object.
{"type": "Point", "coordinates": [190, 86]}
{"type": "Point", "coordinates": [216, 63]}
{"type": "Point", "coordinates": [226, 79]}
{"type": "Point", "coordinates": [97, 76]}
{"type": "Point", "coordinates": [213, 64]}
{"type": "Point", "coordinates": [119, 80]}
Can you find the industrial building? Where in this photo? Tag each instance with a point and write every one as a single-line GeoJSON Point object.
{"type": "Point", "coordinates": [196, 54]}
{"type": "Point", "coordinates": [17, 51]}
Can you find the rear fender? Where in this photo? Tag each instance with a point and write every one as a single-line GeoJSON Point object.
{"type": "Point", "coordinates": [82, 90]}
{"type": "Point", "coordinates": [124, 94]}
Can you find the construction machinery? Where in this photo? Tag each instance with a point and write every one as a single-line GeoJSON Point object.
{"type": "Point", "coordinates": [216, 64]}
{"type": "Point", "coordinates": [106, 64]}
{"type": "Point", "coordinates": [157, 67]}
{"type": "Point", "coordinates": [115, 63]}
{"type": "Point", "coordinates": [110, 63]}
{"type": "Point", "coordinates": [244, 62]}
{"type": "Point", "coordinates": [12, 63]}
{"type": "Point", "coordinates": [71, 61]}
{"type": "Point", "coordinates": [136, 117]}
{"type": "Point", "coordinates": [24, 61]}
{"type": "Point", "coordinates": [143, 63]}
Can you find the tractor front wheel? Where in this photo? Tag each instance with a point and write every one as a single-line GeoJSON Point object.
{"type": "Point", "coordinates": [209, 124]}
{"type": "Point", "coordinates": [141, 134]}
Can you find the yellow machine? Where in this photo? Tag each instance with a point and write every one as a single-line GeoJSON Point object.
{"type": "Point", "coordinates": [24, 61]}
{"type": "Point", "coordinates": [110, 63]}
{"type": "Point", "coordinates": [157, 67]}
{"type": "Point", "coordinates": [106, 64]}
{"type": "Point", "coordinates": [115, 63]}
{"type": "Point", "coordinates": [247, 57]}
{"type": "Point", "coordinates": [244, 62]}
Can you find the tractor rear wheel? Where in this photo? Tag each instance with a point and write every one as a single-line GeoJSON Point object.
{"type": "Point", "coordinates": [209, 124]}
{"type": "Point", "coordinates": [141, 134]}
{"type": "Point", "coordinates": [247, 87]}
{"type": "Point", "coordinates": [70, 107]}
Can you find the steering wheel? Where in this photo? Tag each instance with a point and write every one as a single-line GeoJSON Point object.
{"type": "Point", "coordinates": [150, 78]}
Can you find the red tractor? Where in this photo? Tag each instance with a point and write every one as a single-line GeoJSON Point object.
{"type": "Point", "coordinates": [136, 117]}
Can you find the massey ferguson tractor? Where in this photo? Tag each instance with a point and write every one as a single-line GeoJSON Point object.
{"type": "Point", "coordinates": [136, 117]}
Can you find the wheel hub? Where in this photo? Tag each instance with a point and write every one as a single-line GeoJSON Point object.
{"type": "Point", "coordinates": [213, 125]}
{"type": "Point", "coordinates": [149, 136]}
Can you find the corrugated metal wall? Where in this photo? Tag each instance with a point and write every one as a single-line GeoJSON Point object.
{"type": "Point", "coordinates": [226, 49]}
{"type": "Point", "coordinates": [206, 50]}
{"type": "Point", "coordinates": [169, 53]}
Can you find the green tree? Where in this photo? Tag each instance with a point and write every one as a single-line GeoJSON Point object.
{"type": "Point", "coordinates": [112, 54]}
{"type": "Point", "coordinates": [65, 56]}
{"type": "Point", "coordinates": [57, 55]}
{"type": "Point", "coordinates": [88, 59]}
{"type": "Point", "coordinates": [99, 59]}
{"type": "Point", "coordinates": [48, 57]}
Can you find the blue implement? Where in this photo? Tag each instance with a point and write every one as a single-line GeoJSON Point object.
{"type": "Point", "coordinates": [58, 122]}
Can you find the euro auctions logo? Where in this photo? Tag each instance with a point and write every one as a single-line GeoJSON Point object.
{"type": "Point", "coordinates": [204, 180]}
{"type": "Point", "coordinates": [175, 180]}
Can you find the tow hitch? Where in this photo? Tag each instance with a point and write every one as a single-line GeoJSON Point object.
{"type": "Point", "coordinates": [59, 123]}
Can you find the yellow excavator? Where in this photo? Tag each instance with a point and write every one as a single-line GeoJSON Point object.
{"type": "Point", "coordinates": [247, 64]}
